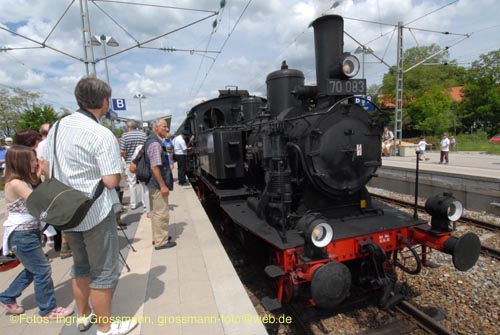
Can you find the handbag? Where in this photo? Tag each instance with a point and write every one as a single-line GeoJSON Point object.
{"type": "Point", "coordinates": [58, 204]}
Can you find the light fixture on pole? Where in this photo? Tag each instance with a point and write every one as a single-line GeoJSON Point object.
{"type": "Point", "coordinates": [105, 40]}
{"type": "Point", "coordinates": [363, 50]}
{"type": "Point", "coordinates": [110, 41]}
{"type": "Point", "coordinates": [140, 96]}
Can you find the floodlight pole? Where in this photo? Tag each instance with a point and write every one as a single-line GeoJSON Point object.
{"type": "Point", "coordinates": [140, 96]}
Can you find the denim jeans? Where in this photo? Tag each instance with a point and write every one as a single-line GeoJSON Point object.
{"type": "Point", "coordinates": [28, 249]}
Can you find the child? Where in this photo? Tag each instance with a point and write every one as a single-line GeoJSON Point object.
{"type": "Point", "coordinates": [22, 236]}
{"type": "Point", "coordinates": [421, 147]}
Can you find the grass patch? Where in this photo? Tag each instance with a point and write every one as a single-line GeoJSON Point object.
{"type": "Point", "coordinates": [466, 142]}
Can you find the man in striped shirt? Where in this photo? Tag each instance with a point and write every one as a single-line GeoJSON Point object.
{"type": "Point", "coordinates": [130, 140]}
{"type": "Point", "coordinates": [85, 153]}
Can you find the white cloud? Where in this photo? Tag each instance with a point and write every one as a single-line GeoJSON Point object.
{"type": "Point", "coordinates": [269, 32]}
{"type": "Point", "coordinates": [157, 72]}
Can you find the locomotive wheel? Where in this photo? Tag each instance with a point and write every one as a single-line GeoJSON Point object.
{"type": "Point", "coordinates": [331, 284]}
{"type": "Point", "coordinates": [290, 290]}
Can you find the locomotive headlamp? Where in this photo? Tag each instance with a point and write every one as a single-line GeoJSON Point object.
{"type": "Point", "coordinates": [316, 230]}
{"type": "Point", "coordinates": [443, 208]}
{"type": "Point", "coordinates": [350, 65]}
{"type": "Point", "coordinates": [322, 235]}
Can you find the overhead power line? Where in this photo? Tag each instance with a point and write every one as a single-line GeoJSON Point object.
{"type": "Point", "coordinates": [158, 6]}
{"type": "Point", "coordinates": [223, 45]}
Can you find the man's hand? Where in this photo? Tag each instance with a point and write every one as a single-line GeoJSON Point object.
{"type": "Point", "coordinates": [164, 190]}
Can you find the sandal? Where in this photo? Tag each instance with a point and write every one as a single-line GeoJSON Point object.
{"type": "Point", "coordinates": [13, 308]}
{"type": "Point", "coordinates": [59, 313]}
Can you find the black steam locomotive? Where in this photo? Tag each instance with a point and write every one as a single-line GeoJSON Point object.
{"type": "Point", "coordinates": [291, 171]}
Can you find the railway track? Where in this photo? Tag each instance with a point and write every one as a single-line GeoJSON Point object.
{"type": "Point", "coordinates": [415, 319]}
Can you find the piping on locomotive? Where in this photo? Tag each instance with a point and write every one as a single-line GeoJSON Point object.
{"type": "Point", "coordinates": [292, 173]}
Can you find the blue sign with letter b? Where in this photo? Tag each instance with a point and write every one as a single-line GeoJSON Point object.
{"type": "Point", "coordinates": [119, 105]}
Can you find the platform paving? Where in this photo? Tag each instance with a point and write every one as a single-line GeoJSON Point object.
{"type": "Point", "coordinates": [472, 177]}
{"type": "Point", "coordinates": [190, 289]}
{"type": "Point", "coordinates": [461, 162]}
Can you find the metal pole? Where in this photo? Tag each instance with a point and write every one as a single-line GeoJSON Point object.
{"type": "Point", "coordinates": [103, 42]}
{"type": "Point", "coordinates": [398, 111]}
{"type": "Point", "coordinates": [140, 109]}
{"type": "Point", "coordinates": [415, 207]}
{"type": "Point", "coordinates": [85, 61]}
{"type": "Point", "coordinates": [90, 34]}
{"type": "Point", "coordinates": [363, 68]}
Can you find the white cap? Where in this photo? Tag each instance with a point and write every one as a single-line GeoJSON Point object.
{"type": "Point", "coordinates": [8, 139]}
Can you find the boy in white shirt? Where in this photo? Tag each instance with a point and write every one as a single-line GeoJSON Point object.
{"type": "Point", "coordinates": [445, 149]}
{"type": "Point", "coordinates": [421, 147]}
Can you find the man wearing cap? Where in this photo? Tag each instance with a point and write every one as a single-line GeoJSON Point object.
{"type": "Point", "coordinates": [182, 144]}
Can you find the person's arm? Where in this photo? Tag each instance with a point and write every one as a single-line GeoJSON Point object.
{"type": "Point", "coordinates": [111, 181]}
{"type": "Point", "coordinates": [45, 169]}
{"type": "Point", "coordinates": [20, 189]}
{"type": "Point", "coordinates": [159, 179]}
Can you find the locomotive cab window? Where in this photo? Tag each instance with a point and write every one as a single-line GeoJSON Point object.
{"type": "Point", "coordinates": [213, 118]}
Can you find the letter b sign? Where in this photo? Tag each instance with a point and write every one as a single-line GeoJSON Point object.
{"type": "Point", "coordinates": [119, 105]}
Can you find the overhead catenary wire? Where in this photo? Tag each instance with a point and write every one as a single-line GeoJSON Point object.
{"type": "Point", "coordinates": [58, 21]}
{"type": "Point", "coordinates": [158, 6]}
{"type": "Point", "coordinates": [223, 45]}
{"type": "Point", "coordinates": [209, 40]}
{"type": "Point", "coordinates": [116, 22]}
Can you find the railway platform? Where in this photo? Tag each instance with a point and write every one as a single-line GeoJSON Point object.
{"type": "Point", "coordinates": [189, 289]}
{"type": "Point", "coordinates": [472, 177]}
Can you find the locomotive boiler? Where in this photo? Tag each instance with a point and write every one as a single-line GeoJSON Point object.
{"type": "Point", "coordinates": [291, 171]}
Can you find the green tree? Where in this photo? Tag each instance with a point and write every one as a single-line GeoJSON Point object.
{"type": "Point", "coordinates": [431, 112]}
{"type": "Point", "coordinates": [480, 106]}
{"type": "Point", "coordinates": [431, 79]}
{"type": "Point", "coordinates": [12, 104]}
{"type": "Point", "coordinates": [36, 116]}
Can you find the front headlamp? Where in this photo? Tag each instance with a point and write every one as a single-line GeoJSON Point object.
{"type": "Point", "coordinates": [316, 230]}
{"type": "Point", "coordinates": [350, 66]}
{"type": "Point", "coordinates": [443, 208]}
{"type": "Point", "coordinates": [321, 235]}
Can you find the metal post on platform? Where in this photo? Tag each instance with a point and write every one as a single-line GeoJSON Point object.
{"type": "Point", "coordinates": [415, 208]}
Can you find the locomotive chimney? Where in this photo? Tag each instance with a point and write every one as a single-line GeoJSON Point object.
{"type": "Point", "coordinates": [328, 45]}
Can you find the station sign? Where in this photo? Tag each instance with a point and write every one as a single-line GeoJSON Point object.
{"type": "Point", "coordinates": [366, 103]}
{"type": "Point", "coordinates": [119, 104]}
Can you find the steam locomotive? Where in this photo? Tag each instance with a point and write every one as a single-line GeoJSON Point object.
{"type": "Point", "coordinates": [291, 172]}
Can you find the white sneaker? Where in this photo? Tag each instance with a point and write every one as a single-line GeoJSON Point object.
{"type": "Point", "coordinates": [83, 323]}
{"type": "Point", "coordinates": [120, 327]}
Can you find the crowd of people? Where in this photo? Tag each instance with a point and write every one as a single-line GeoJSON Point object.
{"type": "Point", "coordinates": [86, 153]}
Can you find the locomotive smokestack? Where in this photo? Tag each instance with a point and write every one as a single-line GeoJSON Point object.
{"type": "Point", "coordinates": [328, 45]}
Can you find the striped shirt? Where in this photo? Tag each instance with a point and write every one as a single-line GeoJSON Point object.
{"type": "Point", "coordinates": [86, 151]}
{"type": "Point", "coordinates": [131, 140]}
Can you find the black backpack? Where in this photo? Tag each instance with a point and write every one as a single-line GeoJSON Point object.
{"type": "Point", "coordinates": [143, 168]}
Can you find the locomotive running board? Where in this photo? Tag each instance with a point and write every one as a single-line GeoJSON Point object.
{"type": "Point", "coordinates": [274, 271]}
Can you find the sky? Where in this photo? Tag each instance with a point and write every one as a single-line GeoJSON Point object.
{"type": "Point", "coordinates": [183, 60]}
